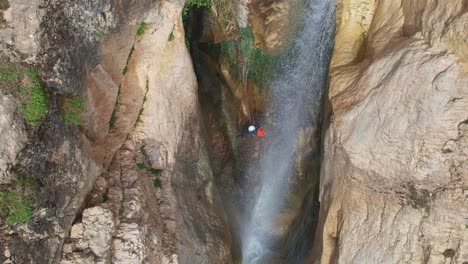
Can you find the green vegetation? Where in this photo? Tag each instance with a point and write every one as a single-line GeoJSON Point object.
{"type": "Point", "coordinates": [35, 105]}
{"type": "Point", "coordinates": [141, 166]}
{"type": "Point", "coordinates": [105, 196]}
{"type": "Point", "coordinates": [171, 36]}
{"type": "Point", "coordinates": [157, 183]}
{"type": "Point", "coordinates": [259, 67]}
{"type": "Point", "coordinates": [194, 4]}
{"type": "Point", "coordinates": [141, 28]}
{"type": "Point", "coordinates": [143, 151]}
{"type": "Point", "coordinates": [125, 69]}
{"type": "Point", "coordinates": [74, 108]}
{"type": "Point", "coordinates": [17, 205]}
{"type": "Point", "coordinates": [98, 35]}
{"type": "Point", "coordinates": [420, 199]}
{"type": "Point", "coordinates": [9, 73]}
{"type": "Point", "coordinates": [112, 119]}
{"type": "Point", "coordinates": [121, 211]}
{"type": "Point", "coordinates": [138, 120]}
{"type": "Point", "coordinates": [34, 100]}
{"type": "Point", "coordinates": [154, 172]}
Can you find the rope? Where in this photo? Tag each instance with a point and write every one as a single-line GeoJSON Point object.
{"type": "Point", "coordinates": [243, 66]}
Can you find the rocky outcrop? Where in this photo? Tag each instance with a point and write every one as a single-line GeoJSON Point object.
{"type": "Point", "coordinates": [92, 236]}
{"type": "Point", "coordinates": [394, 178]}
{"type": "Point", "coordinates": [12, 135]}
{"type": "Point", "coordinates": [22, 32]}
{"type": "Point", "coordinates": [132, 182]}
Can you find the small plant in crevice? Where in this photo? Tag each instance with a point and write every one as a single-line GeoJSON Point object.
{"type": "Point", "coordinates": [143, 151]}
{"type": "Point", "coordinates": [98, 35]}
{"type": "Point", "coordinates": [420, 199]}
{"type": "Point", "coordinates": [141, 166]}
{"type": "Point", "coordinates": [138, 120]}
{"type": "Point", "coordinates": [112, 119]}
{"type": "Point", "coordinates": [153, 172]}
{"type": "Point", "coordinates": [142, 28]}
{"type": "Point", "coordinates": [73, 109]}
{"type": "Point", "coordinates": [157, 183]}
{"type": "Point", "coordinates": [171, 36]}
{"type": "Point", "coordinates": [17, 204]}
{"type": "Point", "coordinates": [105, 196]}
{"type": "Point", "coordinates": [121, 211]}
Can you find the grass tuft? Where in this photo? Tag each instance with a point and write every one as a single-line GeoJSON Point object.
{"type": "Point", "coordinates": [74, 108]}
{"type": "Point", "coordinates": [141, 166]}
{"type": "Point", "coordinates": [141, 28]}
{"type": "Point", "coordinates": [36, 104]}
{"type": "Point", "coordinates": [17, 205]}
{"type": "Point", "coordinates": [9, 73]}
{"type": "Point", "coordinates": [157, 183]}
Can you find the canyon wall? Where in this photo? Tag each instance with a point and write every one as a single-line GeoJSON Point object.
{"type": "Point", "coordinates": [130, 181]}
{"type": "Point", "coordinates": [394, 174]}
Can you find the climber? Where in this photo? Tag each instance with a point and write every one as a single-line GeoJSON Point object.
{"type": "Point", "coordinates": [254, 130]}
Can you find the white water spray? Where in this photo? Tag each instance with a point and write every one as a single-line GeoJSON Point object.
{"type": "Point", "coordinates": [297, 99]}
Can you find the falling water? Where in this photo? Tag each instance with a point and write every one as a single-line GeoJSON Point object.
{"type": "Point", "coordinates": [297, 93]}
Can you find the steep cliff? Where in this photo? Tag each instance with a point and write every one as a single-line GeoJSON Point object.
{"type": "Point", "coordinates": [394, 175]}
{"type": "Point", "coordinates": [118, 166]}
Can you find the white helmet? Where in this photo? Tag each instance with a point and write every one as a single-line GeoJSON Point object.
{"type": "Point", "coordinates": [251, 128]}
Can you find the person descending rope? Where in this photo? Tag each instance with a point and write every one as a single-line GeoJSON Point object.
{"type": "Point", "coordinates": [255, 130]}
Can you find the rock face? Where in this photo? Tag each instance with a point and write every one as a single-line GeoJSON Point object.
{"type": "Point", "coordinates": [132, 183]}
{"type": "Point", "coordinates": [12, 136]}
{"type": "Point", "coordinates": [92, 236]}
{"type": "Point", "coordinates": [23, 18]}
{"type": "Point", "coordinates": [394, 178]}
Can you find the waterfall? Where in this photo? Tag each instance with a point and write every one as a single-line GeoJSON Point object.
{"type": "Point", "coordinates": [297, 96]}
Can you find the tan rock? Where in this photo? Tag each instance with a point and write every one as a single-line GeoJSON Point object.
{"type": "Point", "coordinates": [274, 23]}
{"type": "Point", "coordinates": [395, 160]}
{"type": "Point", "coordinates": [93, 235]}
{"type": "Point", "coordinates": [128, 246]}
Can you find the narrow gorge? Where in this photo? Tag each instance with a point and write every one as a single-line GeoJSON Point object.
{"type": "Point", "coordinates": [124, 131]}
